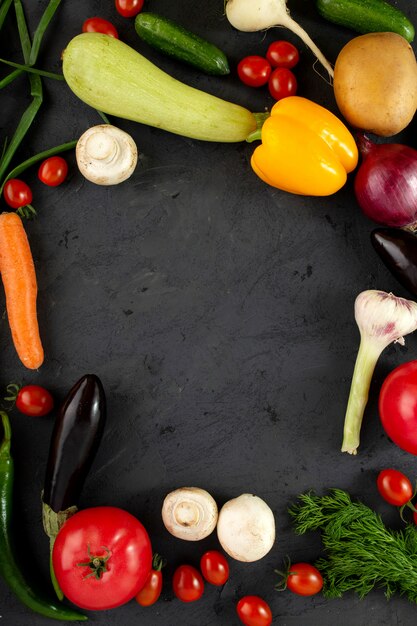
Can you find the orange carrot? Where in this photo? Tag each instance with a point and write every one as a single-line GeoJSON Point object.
{"type": "Point", "coordinates": [19, 280]}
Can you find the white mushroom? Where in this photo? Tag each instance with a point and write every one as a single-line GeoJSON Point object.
{"type": "Point", "coordinates": [246, 528]}
{"type": "Point", "coordinates": [189, 513]}
{"type": "Point", "coordinates": [106, 155]}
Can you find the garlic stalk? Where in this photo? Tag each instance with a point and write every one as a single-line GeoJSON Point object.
{"type": "Point", "coordinates": [253, 15]}
{"type": "Point", "coordinates": [382, 318]}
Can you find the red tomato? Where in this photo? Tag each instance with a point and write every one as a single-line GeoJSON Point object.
{"type": "Point", "coordinates": [17, 193]}
{"type": "Point", "coordinates": [53, 171]}
{"type": "Point", "coordinates": [102, 557]}
{"type": "Point", "coordinates": [187, 583]}
{"type": "Point", "coordinates": [214, 567]}
{"type": "Point", "coordinates": [253, 611]}
{"type": "Point", "coordinates": [282, 83]}
{"type": "Point", "coordinates": [398, 406]}
{"type": "Point", "coordinates": [34, 400]}
{"type": "Point", "coordinates": [129, 8]}
{"type": "Point", "coordinates": [304, 579]}
{"type": "Point", "coordinates": [282, 54]}
{"type": "Point", "coordinates": [394, 487]}
{"type": "Point", "coordinates": [151, 591]}
{"type": "Point", "coordinates": [254, 71]}
{"type": "Point", "coordinates": [100, 25]}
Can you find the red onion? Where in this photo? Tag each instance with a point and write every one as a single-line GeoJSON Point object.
{"type": "Point", "coordinates": [386, 183]}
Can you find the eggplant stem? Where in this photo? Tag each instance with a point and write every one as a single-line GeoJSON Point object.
{"type": "Point", "coordinates": [368, 355]}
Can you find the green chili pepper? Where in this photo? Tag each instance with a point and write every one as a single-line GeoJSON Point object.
{"type": "Point", "coordinates": [9, 569]}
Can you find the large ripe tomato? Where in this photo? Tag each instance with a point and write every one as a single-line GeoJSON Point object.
{"type": "Point", "coordinates": [214, 567]}
{"type": "Point", "coordinates": [398, 406]}
{"type": "Point", "coordinates": [394, 487]}
{"type": "Point", "coordinates": [102, 557]}
{"type": "Point", "coordinates": [254, 611]}
{"type": "Point", "coordinates": [34, 400]}
{"type": "Point", "coordinates": [304, 579]}
{"type": "Point", "coordinates": [53, 171]}
{"type": "Point", "coordinates": [129, 8]}
{"type": "Point", "coordinates": [187, 583]}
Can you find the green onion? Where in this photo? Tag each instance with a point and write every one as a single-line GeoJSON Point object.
{"type": "Point", "coordinates": [33, 70]}
{"type": "Point", "coordinates": [10, 78]}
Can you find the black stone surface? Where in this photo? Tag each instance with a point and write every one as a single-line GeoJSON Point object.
{"type": "Point", "coordinates": [218, 313]}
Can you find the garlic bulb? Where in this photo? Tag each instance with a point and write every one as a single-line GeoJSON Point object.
{"type": "Point", "coordinates": [106, 155]}
{"type": "Point", "coordinates": [382, 318]}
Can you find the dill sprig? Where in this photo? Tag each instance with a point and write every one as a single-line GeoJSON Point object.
{"type": "Point", "coordinates": [361, 552]}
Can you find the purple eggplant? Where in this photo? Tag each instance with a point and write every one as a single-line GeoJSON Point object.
{"type": "Point", "coordinates": [398, 250]}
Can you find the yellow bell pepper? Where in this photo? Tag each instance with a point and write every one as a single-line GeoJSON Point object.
{"type": "Point", "coordinates": [305, 149]}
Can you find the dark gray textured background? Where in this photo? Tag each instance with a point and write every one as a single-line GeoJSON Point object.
{"type": "Point", "coordinates": [218, 313]}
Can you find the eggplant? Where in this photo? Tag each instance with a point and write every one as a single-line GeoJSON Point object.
{"type": "Point", "coordinates": [398, 250]}
{"type": "Point", "coordinates": [75, 439]}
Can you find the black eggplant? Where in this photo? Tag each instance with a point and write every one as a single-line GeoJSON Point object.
{"type": "Point", "coordinates": [75, 439]}
{"type": "Point", "coordinates": [398, 250]}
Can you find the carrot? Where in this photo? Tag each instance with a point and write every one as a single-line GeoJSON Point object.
{"type": "Point", "coordinates": [19, 280]}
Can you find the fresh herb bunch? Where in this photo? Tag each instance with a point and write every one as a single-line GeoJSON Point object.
{"type": "Point", "coordinates": [362, 553]}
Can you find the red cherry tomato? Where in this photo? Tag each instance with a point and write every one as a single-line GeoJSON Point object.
{"type": "Point", "coordinates": [100, 25]}
{"type": "Point", "coordinates": [101, 557]}
{"type": "Point", "coordinates": [254, 71]}
{"type": "Point", "coordinates": [214, 567]}
{"type": "Point", "coordinates": [53, 171]}
{"type": "Point", "coordinates": [187, 583]}
{"type": "Point", "coordinates": [17, 193]}
{"type": "Point", "coordinates": [282, 83]}
{"type": "Point", "coordinates": [129, 8]}
{"type": "Point", "coordinates": [151, 591]}
{"type": "Point", "coordinates": [282, 54]}
{"type": "Point", "coordinates": [34, 400]}
{"type": "Point", "coordinates": [394, 487]}
{"type": "Point", "coordinates": [253, 611]}
{"type": "Point", "coordinates": [304, 579]}
{"type": "Point", "coordinates": [398, 406]}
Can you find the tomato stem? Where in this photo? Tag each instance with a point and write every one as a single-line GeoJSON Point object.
{"type": "Point", "coordinates": [97, 564]}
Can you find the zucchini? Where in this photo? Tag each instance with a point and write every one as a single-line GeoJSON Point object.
{"type": "Point", "coordinates": [174, 40]}
{"type": "Point", "coordinates": [367, 16]}
{"type": "Point", "coordinates": [110, 76]}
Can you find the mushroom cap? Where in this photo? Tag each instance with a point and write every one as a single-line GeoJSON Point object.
{"type": "Point", "coordinates": [189, 513]}
{"type": "Point", "coordinates": [106, 155]}
{"type": "Point", "coordinates": [246, 528]}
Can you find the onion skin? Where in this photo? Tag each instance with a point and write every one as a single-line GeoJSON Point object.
{"type": "Point", "coordinates": [398, 250]}
{"type": "Point", "coordinates": [386, 183]}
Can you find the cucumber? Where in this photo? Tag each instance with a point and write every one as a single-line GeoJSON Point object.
{"type": "Point", "coordinates": [170, 38]}
{"type": "Point", "coordinates": [367, 16]}
{"type": "Point", "coordinates": [112, 77]}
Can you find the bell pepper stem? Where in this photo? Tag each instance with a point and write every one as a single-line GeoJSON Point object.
{"type": "Point", "coordinates": [256, 135]}
{"type": "Point", "coordinates": [366, 360]}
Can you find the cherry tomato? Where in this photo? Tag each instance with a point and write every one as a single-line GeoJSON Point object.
{"type": "Point", "coordinates": [53, 171]}
{"type": "Point", "coordinates": [100, 25]}
{"type": "Point", "coordinates": [187, 583]}
{"type": "Point", "coordinates": [101, 557]}
{"type": "Point", "coordinates": [151, 591]}
{"type": "Point", "coordinates": [254, 71]}
{"type": "Point", "coordinates": [282, 54]}
{"type": "Point", "coordinates": [34, 400]}
{"type": "Point", "coordinates": [214, 567]}
{"type": "Point", "coordinates": [129, 8]}
{"type": "Point", "coordinates": [398, 406]}
{"type": "Point", "coordinates": [253, 611]}
{"type": "Point", "coordinates": [304, 579]}
{"type": "Point", "coordinates": [282, 83]}
{"type": "Point", "coordinates": [394, 487]}
{"type": "Point", "coordinates": [17, 193]}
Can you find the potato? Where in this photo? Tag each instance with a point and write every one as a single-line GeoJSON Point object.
{"type": "Point", "coordinates": [375, 83]}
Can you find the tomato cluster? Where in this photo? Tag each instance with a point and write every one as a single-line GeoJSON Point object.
{"type": "Point", "coordinates": [274, 69]}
